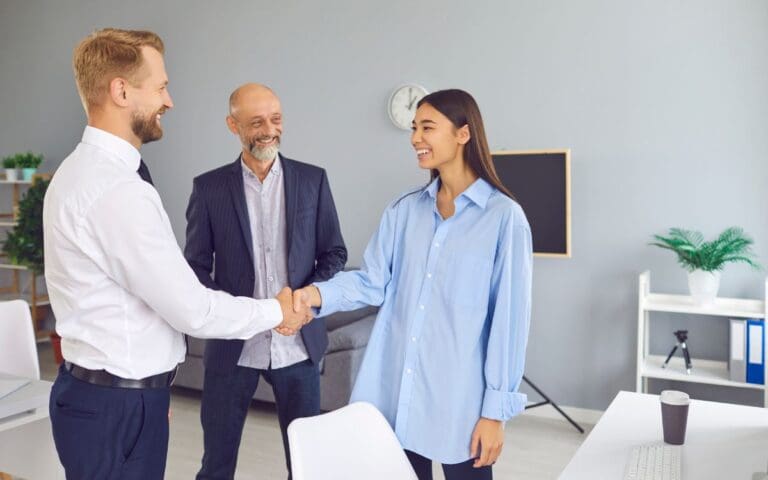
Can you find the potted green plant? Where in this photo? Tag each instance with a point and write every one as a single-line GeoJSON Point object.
{"type": "Point", "coordinates": [9, 164]}
{"type": "Point", "coordinates": [28, 162]}
{"type": "Point", "coordinates": [24, 244]}
{"type": "Point", "coordinates": [705, 260]}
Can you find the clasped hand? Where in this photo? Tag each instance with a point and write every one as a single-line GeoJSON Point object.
{"type": "Point", "coordinates": [295, 314]}
{"type": "Point", "coordinates": [299, 304]}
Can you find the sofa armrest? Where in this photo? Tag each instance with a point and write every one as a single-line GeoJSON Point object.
{"type": "Point", "coordinates": [352, 336]}
{"type": "Point", "coordinates": [338, 320]}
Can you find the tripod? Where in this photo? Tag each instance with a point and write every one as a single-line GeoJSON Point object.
{"type": "Point", "coordinates": [548, 401]}
{"type": "Point", "coordinates": [682, 337]}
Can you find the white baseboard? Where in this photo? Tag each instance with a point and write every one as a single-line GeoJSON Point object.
{"type": "Point", "coordinates": [579, 415]}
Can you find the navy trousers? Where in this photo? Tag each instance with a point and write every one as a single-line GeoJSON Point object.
{"type": "Point", "coordinates": [226, 398]}
{"type": "Point", "coordinates": [459, 471]}
{"type": "Point", "coordinates": [109, 433]}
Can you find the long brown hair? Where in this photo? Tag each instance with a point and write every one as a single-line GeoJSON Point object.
{"type": "Point", "coordinates": [461, 109]}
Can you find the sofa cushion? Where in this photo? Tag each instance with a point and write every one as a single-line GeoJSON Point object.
{"type": "Point", "coordinates": [340, 319]}
{"type": "Point", "coordinates": [351, 336]}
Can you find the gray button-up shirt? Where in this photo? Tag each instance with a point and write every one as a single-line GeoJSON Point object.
{"type": "Point", "coordinates": [266, 215]}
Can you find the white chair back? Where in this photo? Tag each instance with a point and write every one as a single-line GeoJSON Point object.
{"type": "Point", "coordinates": [18, 348]}
{"type": "Point", "coordinates": [353, 442]}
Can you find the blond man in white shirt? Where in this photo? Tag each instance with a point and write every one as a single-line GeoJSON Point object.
{"type": "Point", "coordinates": [119, 285]}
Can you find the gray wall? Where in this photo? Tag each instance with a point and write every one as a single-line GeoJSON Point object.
{"type": "Point", "coordinates": [663, 103]}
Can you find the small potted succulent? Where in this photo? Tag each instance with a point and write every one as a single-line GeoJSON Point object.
{"type": "Point", "coordinates": [28, 162]}
{"type": "Point", "coordinates": [9, 164]}
{"type": "Point", "coordinates": [704, 260]}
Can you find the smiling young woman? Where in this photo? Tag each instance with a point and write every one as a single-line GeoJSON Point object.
{"type": "Point", "coordinates": [450, 266]}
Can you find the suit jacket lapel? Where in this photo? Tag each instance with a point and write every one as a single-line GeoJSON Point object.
{"type": "Point", "coordinates": [291, 199]}
{"type": "Point", "coordinates": [237, 190]}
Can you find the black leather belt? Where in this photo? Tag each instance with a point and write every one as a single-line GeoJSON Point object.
{"type": "Point", "coordinates": [106, 379]}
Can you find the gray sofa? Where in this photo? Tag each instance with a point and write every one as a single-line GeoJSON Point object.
{"type": "Point", "coordinates": [348, 334]}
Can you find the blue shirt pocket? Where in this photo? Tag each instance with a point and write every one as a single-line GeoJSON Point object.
{"type": "Point", "coordinates": [468, 284]}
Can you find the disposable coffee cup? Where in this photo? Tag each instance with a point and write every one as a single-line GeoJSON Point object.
{"type": "Point", "coordinates": [674, 415]}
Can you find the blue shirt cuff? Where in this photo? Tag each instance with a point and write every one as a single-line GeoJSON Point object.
{"type": "Point", "coordinates": [330, 298]}
{"type": "Point", "coordinates": [498, 405]}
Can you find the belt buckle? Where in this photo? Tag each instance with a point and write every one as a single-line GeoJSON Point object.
{"type": "Point", "coordinates": [172, 374]}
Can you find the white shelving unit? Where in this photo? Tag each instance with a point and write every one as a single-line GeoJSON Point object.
{"type": "Point", "coordinates": [704, 371]}
{"type": "Point", "coordinates": [17, 288]}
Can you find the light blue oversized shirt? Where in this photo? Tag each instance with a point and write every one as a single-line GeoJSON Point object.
{"type": "Point", "coordinates": [448, 345]}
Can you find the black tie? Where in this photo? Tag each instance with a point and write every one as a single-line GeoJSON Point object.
{"type": "Point", "coordinates": [144, 172]}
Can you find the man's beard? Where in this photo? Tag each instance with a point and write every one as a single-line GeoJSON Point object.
{"type": "Point", "coordinates": [264, 154]}
{"type": "Point", "coordinates": [147, 128]}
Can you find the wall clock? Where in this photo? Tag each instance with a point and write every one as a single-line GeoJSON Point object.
{"type": "Point", "coordinates": [402, 104]}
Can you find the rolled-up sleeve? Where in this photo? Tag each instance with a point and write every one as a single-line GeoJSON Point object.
{"type": "Point", "coordinates": [510, 311]}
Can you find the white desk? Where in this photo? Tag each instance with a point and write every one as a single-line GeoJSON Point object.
{"type": "Point", "coordinates": [26, 442]}
{"type": "Point", "coordinates": [723, 441]}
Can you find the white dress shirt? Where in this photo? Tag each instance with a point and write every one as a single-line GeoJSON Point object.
{"type": "Point", "coordinates": [118, 283]}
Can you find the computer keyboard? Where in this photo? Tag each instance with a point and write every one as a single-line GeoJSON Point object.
{"type": "Point", "coordinates": [656, 461]}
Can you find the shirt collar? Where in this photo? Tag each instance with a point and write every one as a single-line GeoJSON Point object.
{"type": "Point", "coordinates": [431, 189]}
{"type": "Point", "coordinates": [479, 192]}
{"type": "Point", "coordinates": [274, 170]}
{"type": "Point", "coordinates": [120, 148]}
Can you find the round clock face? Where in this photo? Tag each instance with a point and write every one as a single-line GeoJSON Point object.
{"type": "Point", "coordinates": [402, 104]}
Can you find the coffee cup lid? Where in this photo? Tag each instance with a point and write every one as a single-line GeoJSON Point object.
{"type": "Point", "coordinates": [674, 397]}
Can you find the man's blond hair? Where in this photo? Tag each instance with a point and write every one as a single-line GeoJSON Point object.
{"type": "Point", "coordinates": [106, 54]}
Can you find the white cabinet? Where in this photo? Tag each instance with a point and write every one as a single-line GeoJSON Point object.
{"type": "Point", "coordinates": [704, 371]}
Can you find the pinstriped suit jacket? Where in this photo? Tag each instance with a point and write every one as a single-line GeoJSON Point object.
{"type": "Point", "coordinates": [220, 251]}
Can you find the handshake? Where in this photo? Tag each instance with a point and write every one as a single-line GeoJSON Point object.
{"type": "Point", "coordinates": [297, 308]}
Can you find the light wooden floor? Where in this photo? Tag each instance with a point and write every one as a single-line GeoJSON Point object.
{"type": "Point", "coordinates": [535, 448]}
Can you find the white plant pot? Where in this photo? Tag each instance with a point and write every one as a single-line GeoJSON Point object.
{"type": "Point", "coordinates": [11, 174]}
{"type": "Point", "coordinates": [703, 286]}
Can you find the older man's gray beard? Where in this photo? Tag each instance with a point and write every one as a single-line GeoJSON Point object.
{"type": "Point", "coordinates": [265, 154]}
